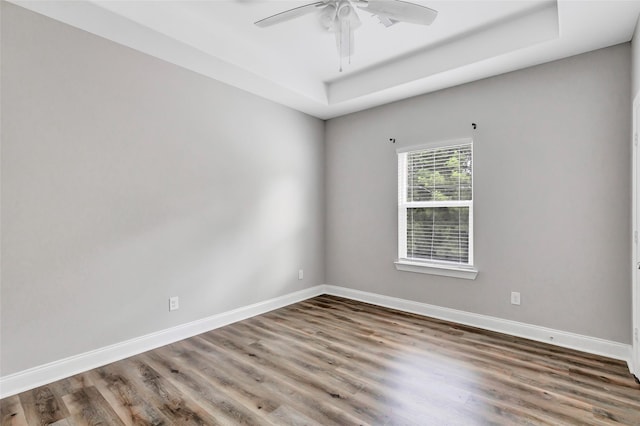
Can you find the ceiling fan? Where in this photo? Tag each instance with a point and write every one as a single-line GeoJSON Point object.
{"type": "Point", "coordinates": [340, 17]}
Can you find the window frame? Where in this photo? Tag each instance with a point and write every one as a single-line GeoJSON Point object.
{"type": "Point", "coordinates": [435, 267]}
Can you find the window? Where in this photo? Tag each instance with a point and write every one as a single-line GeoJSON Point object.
{"type": "Point", "coordinates": [435, 209]}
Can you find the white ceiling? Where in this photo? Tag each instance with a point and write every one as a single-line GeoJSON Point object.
{"type": "Point", "coordinates": [296, 64]}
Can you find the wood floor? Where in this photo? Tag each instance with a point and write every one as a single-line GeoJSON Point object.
{"type": "Point", "coordinates": [333, 361]}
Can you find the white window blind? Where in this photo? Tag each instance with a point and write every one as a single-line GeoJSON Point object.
{"type": "Point", "coordinates": [435, 208]}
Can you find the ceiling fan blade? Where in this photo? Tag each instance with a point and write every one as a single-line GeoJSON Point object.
{"type": "Point", "coordinates": [289, 14]}
{"type": "Point", "coordinates": [403, 11]}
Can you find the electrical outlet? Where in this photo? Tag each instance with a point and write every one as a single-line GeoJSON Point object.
{"type": "Point", "coordinates": [174, 303]}
{"type": "Point", "coordinates": [515, 298]}
{"type": "Point", "coordinates": [300, 274]}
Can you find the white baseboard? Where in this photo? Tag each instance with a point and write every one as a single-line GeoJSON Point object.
{"type": "Point", "coordinates": [47, 373]}
{"type": "Point", "coordinates": [565, 339]}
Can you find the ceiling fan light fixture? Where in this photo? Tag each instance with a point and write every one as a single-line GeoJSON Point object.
{"type": "Point", "coordinates": [340, 17]}
{"type": "Point", "coordinates": [349, 15]}
{"type": "Point", "coordinates": [344, 10]}
{"type": "Point", "coordinates": [328, 16]}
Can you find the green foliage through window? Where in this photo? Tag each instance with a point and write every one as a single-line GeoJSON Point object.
{"type": "Point", "coordinates": [439, 174]}
{"type": "Point", "coordinates": [438, 233]}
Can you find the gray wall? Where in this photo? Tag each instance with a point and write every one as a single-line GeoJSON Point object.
{"type": "Point", "coordinates": [552, 194]}
{"type": "Point", "coordinates": [635, 61]}
{"type": "Point", "coordinates": [126, 180]}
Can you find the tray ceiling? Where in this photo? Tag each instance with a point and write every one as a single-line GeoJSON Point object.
{"type": "Point", "coordinates": [296, 64]}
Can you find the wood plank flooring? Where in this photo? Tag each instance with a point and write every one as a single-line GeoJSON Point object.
{"type": "Point", "coordinates": [333, 361]}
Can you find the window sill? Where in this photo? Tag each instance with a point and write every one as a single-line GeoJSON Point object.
{"type": "Point", "coordinates": [466, 272]}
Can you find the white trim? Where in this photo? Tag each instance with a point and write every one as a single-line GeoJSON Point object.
{"type": "Point", "coordinates": [430, 266]}
{"type": "Point", "coordinates": [473, 184]}
{"type": "Point", "coordinates": [455, 271]}
{"type": "Point", "coordinates": [47, 373]}
{"type": "Point", "coordinates": [564, 339]}
{"type": "Point", "coordinates": [452, 203]}
{"type": "Point", "coordinates": [635, 257]}
{"type": "Point", "coordinates": [434, 144]}
{"type": "Point", "coordinates": [402, 198]}
{"type": "Point", "coordinates": [56, 370]}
